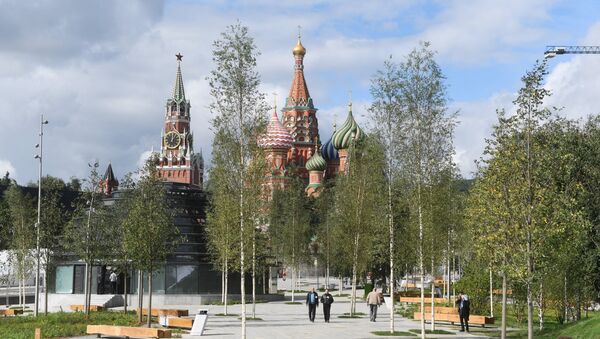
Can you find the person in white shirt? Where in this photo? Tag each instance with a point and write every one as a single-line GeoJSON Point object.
{"type": "Point", "coordinates": [113, 282]}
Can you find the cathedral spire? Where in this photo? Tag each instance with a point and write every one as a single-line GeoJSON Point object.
{"type": "Point", "coordinates": [178, 91]}
{"type": "Point", "coordinates": [299, 95]}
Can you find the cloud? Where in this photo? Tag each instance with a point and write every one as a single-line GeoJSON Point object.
{"type": "Point", "coordinates": [6, 166]}
{"type": "Point", "coordinates": [101, 71]}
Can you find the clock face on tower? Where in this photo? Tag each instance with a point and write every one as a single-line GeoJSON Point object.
{"type": "Point", "coordinates": [172, 139]}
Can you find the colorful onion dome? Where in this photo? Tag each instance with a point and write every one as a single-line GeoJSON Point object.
{"type": "Point", "coordinates": [276, 136]}
{"type": "Point", "coordinates": [328, 151]}
{"type": "Point", "coordinates": [342, 138]}
{"type": "Point", "coordinates": [316, 162]}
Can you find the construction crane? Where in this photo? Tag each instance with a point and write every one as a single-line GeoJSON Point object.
{"type": "Point", "coordinates": [552, 51]}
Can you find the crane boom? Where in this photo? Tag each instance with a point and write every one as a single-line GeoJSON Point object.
{"type": "Point", "coordinates": [552, 51]}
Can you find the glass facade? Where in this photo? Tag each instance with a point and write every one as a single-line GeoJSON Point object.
{"type": "Point", "coordinates": [64, 279]}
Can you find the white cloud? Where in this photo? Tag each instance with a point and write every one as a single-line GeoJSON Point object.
{"type": "Point", "coordinates": [6, 166]}
{"type": "Point", "coordinates": [101, 71]}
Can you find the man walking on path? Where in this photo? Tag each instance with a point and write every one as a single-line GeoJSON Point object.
{"type": "Point", "coordinates": [463, 304]}
{"type": "Point", "coordinates": [374, 301]}
{"type": "Point", "coordinates": [312, 300]}
{"type": "Point", "coordinates": [113, 282]}
{"type": "Point", "coordinates": [326, 300]}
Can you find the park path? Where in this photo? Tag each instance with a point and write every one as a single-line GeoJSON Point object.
{"type": "Point", "coordinates": [283, 321]}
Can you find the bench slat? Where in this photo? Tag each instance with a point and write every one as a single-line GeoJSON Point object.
{"type": "Point", "coordinates": [125, 331]}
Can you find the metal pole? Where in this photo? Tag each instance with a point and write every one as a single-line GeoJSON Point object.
{"type": "Point", "coordinates": [38, 224]}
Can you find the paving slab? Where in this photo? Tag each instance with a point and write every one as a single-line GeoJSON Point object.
{"type": "Point", "coordinates": [284, 321]}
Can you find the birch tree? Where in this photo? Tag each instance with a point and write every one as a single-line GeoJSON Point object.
{"type": "Point", "coordinates": [21, 233]}
{"type": "Point", "coordinates": [427, 144]}
{"type": "Point", "coordinates": [357, 201]}
{"type": "Point", "coordinates": [386, 115]}
{"type": "Point", "coordinates": [239, 111]}
{"type": "Point", "coordinates": [149, 234]}
{"type": "Point", "coordinates": [289, 227]}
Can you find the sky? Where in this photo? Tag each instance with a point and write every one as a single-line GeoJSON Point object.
{"type": "Point", "coordinates": [101, 71]}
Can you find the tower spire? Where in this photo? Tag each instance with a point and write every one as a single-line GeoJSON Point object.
{"type": "Point", "coordinates": [178, 91]}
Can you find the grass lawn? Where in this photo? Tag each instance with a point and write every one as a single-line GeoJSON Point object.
{"type": "Point", "coordinates": [293, 303]}
{"type": "Point", "coordinates": [585, 328]}
{"type": "Point", "coordinates": [395, 334]}
{"type": "Point", "coordinates": [61, 324]}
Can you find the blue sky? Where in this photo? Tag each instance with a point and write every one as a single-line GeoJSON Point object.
{"type": "Point", "coordinates": [102, 70]}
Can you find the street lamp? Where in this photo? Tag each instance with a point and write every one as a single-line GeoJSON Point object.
{"type": "Point", "coordinates": [39, 213]}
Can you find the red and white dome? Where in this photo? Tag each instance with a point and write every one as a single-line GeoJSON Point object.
{"type": "Point", "coordinates": [276, 136]}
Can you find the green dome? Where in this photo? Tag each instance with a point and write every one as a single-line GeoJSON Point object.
{"type": "Point", "coordinates": [316, 162]}
{"type": "Point", "coordinates": [343, 137]}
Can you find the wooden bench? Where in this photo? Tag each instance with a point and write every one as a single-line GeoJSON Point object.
{"type": "Point", "coordinates": [11, 311]}
{"type": "Point", "coordinates": [80, 308]}
{"type": "Point", "coordinates": [165, 312]}
{"type": "Point", "coordinates": [417, 300]}
{"type": "Point", "coordinates": [180, 322]}
{"type": "Point", "coordinates": [450, 314]}
{"type": "Point", "coordinates": [124, 331]}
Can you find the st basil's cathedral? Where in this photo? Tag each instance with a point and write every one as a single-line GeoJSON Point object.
{"type": "Point", "coordinates": [295, 141]}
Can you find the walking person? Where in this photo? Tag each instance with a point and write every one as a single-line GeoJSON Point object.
{"type": "Point", "coordinates": [113, 282]}
{"type": "Point", "coordinates": [374, 301]}
{"type": "Point", "coordinates": [326, 300]}
{"type": "Point", "coordinates": [312, 301]}
{"type": "Point", "coordinates": [463, 305]}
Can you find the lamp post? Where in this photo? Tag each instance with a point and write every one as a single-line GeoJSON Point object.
{"type": "Point", "coordinates": [39, 213]}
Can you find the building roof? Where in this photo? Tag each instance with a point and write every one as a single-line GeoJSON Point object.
{"type": "Point", "coordinates": [348, 132]}
{"type": "Point", "coordinates": [276, 136]}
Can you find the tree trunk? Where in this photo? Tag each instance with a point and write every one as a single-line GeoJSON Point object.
{"type": "Point", "coordinates": [541, 306]}
{"type": "Point", "coordinates": [125, 290]}
{"type": "Point", "coordinates": [391, 230]}
{"type": "Point", "coordinates": [226, 287]}
{"type": "Point", "coordinates": [85, 289]}
{"type": "Point", "coordinates": [341, 286]}
{"type": "Point", "coordinates": [46, 290]}
{"type": "Point", "coordinates": [149, 319]}
{"type": "Point", "coordinates": [491, 295]}
{"type": "Point", "coordinates": [88, 296]}
{"type": "Point", "coordinates": [354, 274]}
{"type": "Point", "coordinates": [529, 295]}
{"type": "Point", "coordinates": [223, 282]}
{"type": "Point", "coordinates": [432, 293]}
{"type": "Point", "coordinates": [254, 274]}
{"type": "Point", "coordinates": [566, 302]}
{"type": "Point", "coordinates": [421, 264]}
{"type": "Point", "coordinates": [503, 325]}
{"type": "Point", "coordinates": [353, 297]}
{"type": "Point", "coordinates": [140, 296]}
{"type": "Point", "coordinates": [292, 282]}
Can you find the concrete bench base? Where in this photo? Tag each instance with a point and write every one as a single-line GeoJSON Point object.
{"type": "Point", "coordinates": [124, 331]}
{"type": "Point", "coordinates": [454, 318]}
{"type": "Point", "coordinates": [80, 308]}
{"type": "Point", "coordinates": [166, 312]}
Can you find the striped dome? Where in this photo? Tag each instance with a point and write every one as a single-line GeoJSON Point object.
{"type": "Point", "coordinates": [328, 151]}
{"type": "Point", "coordinates": [276, 136]}
{"type": "Point", "coordinates": [350, 129]}
{"type": "Point", "coordinates": [316, 162]}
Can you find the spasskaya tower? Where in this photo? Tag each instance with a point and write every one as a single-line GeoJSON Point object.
{"type": "Point", "coordinates": [177, 160]}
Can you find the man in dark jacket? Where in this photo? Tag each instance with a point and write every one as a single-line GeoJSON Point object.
{"type": "Point", "coordinates": [312, 300]}
{"type": "Point", "coordinates": [463, 305]}
{"type": "Point", "coordinates": [326, 300]}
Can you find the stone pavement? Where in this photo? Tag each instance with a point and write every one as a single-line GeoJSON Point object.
{"type": "Point", "coordinates": [281, 320]}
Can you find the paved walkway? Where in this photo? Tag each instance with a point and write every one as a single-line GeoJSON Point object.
{"type": "Point", "coordinates": [281, 320]}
